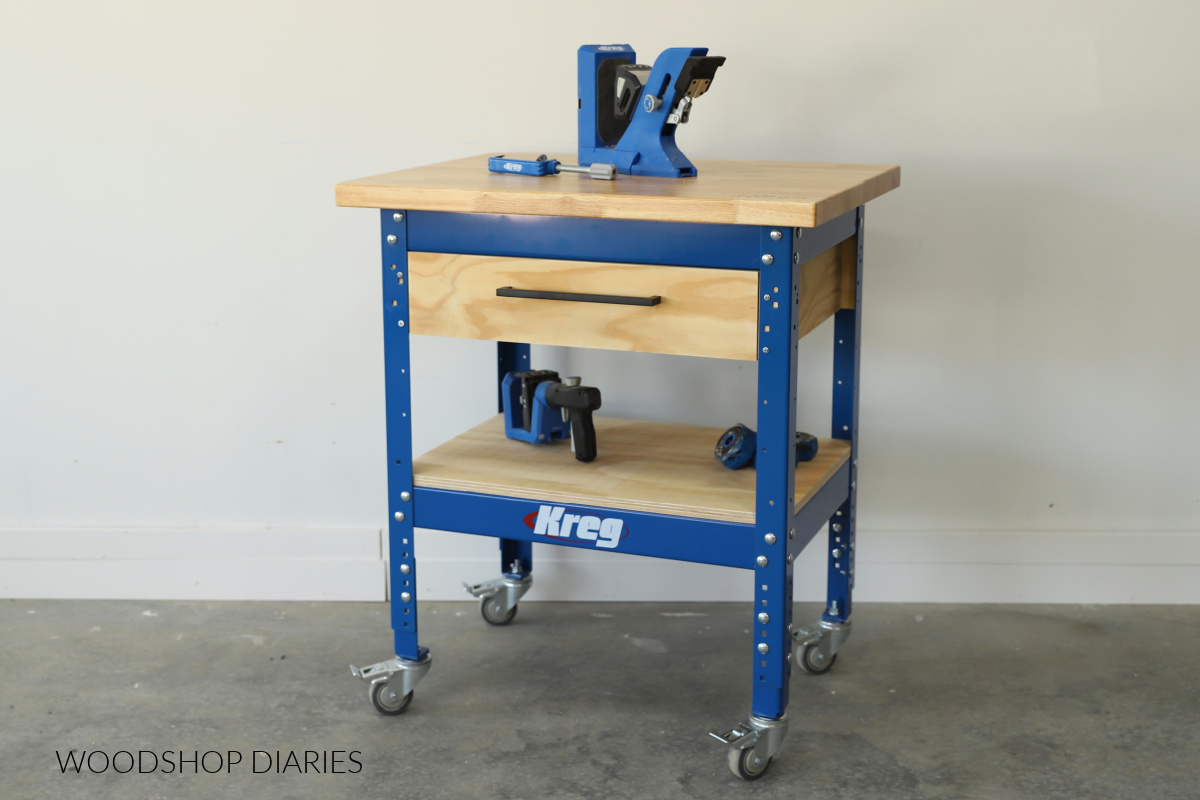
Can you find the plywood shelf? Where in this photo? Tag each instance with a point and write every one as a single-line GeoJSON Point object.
{"type": "Point", "coordinates": [642, 466]}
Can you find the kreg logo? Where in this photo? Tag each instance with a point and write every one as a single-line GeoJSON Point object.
{"type": "Point", "coordinates": [511, 167]}
{"type": "Point", "coordinates": [554, 521]}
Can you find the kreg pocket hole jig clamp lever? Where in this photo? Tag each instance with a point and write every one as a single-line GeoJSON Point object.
{"type": "Point", "coordinates": [737, 446]}
{"type": "Point", "coordinates": [548, 166]}
{"type": "Point", "coordinates": [539, 407]}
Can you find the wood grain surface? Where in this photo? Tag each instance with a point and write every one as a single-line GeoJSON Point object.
{"type": "Point", "coordinates": [724, 192]}
{"type": "Point", "coordinates": [823, 284]}
{"type": "Point", "coordinates": [642, 466]}
{"type": "Point", "coordinates": [703, 312]}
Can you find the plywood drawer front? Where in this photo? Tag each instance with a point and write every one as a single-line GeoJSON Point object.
{"type": "Point", "coordinates": [703, 312]}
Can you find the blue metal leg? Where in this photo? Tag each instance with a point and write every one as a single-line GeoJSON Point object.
{"type": "Point", "coordinates": [754, 742]}
{"type": "Point", "coordinates": [392, 681]}
{"type": "Point", "coordinates": [847, 327]}
{"type": "Point", "coordinates": [500, 596]}
{"type": "Point", "coordinates": [510, 357]}
{"type": "Point", "coordinates": [399, 434]}
{"type": "Point", "coordinates": [841, 560]}
{"type": "Point", "coordinates": [779, 290]}
{"type": "Point", "coordinates": [516, 557]}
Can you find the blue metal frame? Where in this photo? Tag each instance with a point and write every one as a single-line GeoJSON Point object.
{"type": "Point", "coordinates": [679, 244]}
{"type": "Point", "coordinates": [811, 242]}
{"type": "Point", "coordinates": [512, 357]}
{"type": "Point", "coordinates": [813, 515]}
{"type": "Point", "coordinates": [703, 541]}
{"type": "Point", "coordinates": [780, 531]}
{"type": "Point", "coordinates": [775, 466]}
{"type": "Point", "coordinates": [846, 329]}
{"type": "Point", "coordinates": [398, 382]}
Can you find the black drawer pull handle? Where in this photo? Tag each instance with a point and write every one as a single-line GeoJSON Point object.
{"type": "Point", "coordinates": [533, 294]}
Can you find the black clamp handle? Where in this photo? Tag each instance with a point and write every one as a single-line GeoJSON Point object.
{"type": "Point", "coordinates": [578, 297]}
{"type": "Point", "coordinates": [580, 402]}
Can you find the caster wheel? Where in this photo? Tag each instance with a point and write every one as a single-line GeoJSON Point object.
{"type": "Point", "coordinates": [741, 763]}
{"type": "Point", "coordinates": [813, 662]}
{"type": "Point", "coordinates": [387, 701]}
{"type": "Point", "coordinates": [491, 612]}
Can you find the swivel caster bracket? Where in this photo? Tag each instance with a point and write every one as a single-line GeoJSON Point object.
{"type": "Point", "coordinates": [752, 744]}
{"type": "Point", "coordinates": [819, 646]}
{"type": "Point", "coordinates": [500, 597]}
{"type": "Point", "coordinates": [393, 681]}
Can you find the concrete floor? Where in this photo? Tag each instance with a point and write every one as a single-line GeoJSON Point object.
{"type": "Point", "coordinates": [602, 701]}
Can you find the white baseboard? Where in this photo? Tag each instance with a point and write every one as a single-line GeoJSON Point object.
{"type": "Point", "coordinates": [192, 564]}
{"type": "Point", "coordinates": [894, 567]}
{"type": "Point", "coordinates": [348, 565]}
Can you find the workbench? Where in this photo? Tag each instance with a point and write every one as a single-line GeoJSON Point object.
{"type": "Point", "coordinates": [747, 257]}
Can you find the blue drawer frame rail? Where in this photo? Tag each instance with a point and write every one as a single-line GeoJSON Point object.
{"type": "Point", "coordinates": [680, 244]}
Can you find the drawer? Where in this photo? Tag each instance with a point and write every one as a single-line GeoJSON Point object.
{"type": "Point", "coordinates": [701, 311]}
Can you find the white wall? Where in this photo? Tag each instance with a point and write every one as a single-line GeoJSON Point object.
{"type": "Point", "coordinates": [191, 382]}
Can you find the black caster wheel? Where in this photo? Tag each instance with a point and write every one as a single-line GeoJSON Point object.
{"type": "Point", "coordinates": [387, 701]}
{"type": "Point", "coordinates": [813, 662]}
{"type": "Point", "coordinates": [490, 608]}
{"type": "Point", "coordinates": [742, 763]}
